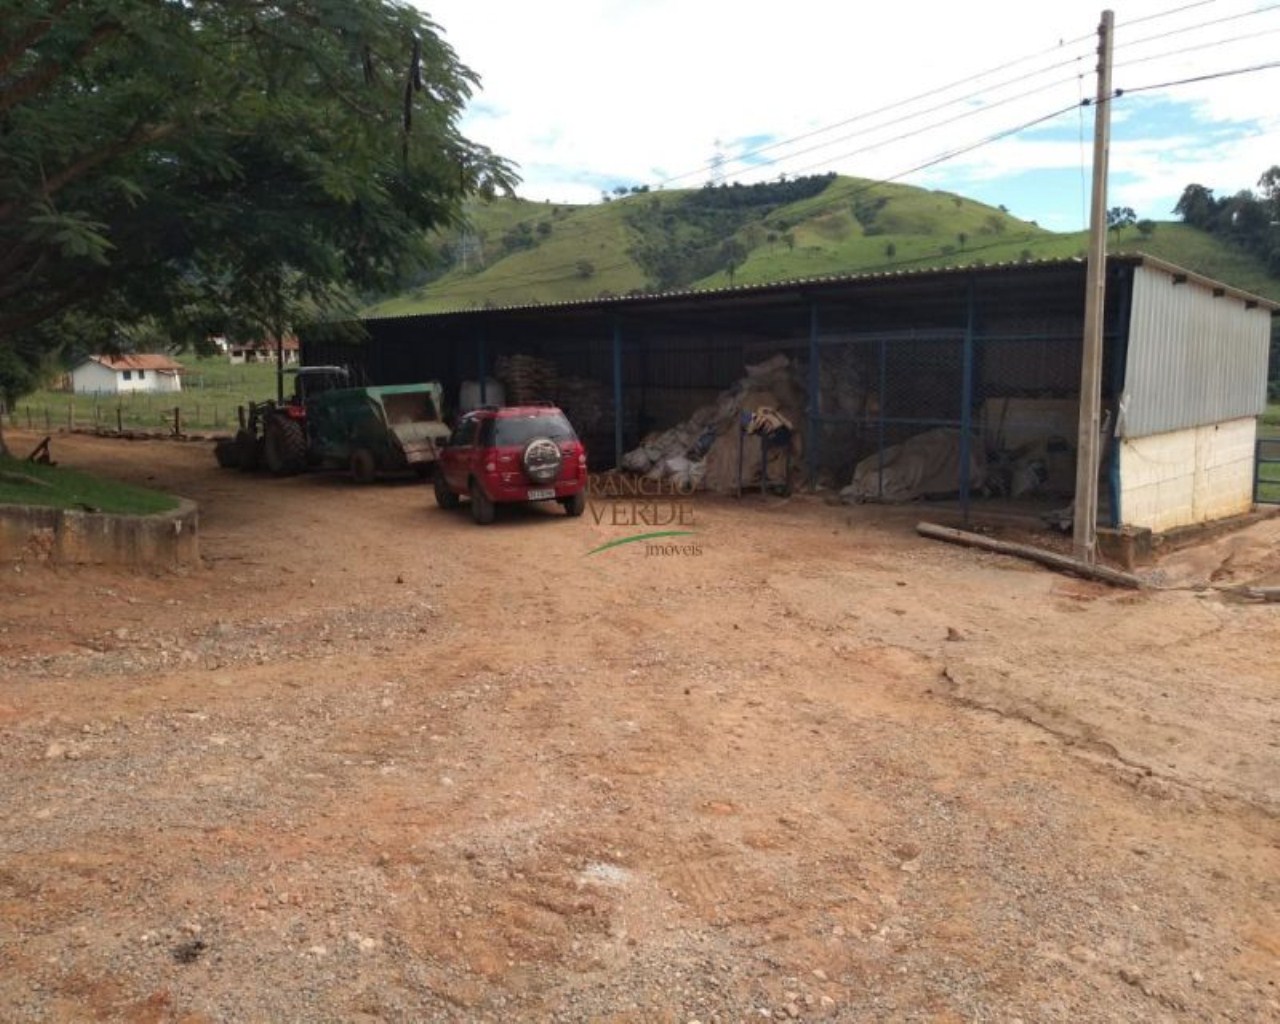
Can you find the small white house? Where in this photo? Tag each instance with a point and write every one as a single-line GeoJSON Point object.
{"type": "Point", "coordinates": [114, 375]}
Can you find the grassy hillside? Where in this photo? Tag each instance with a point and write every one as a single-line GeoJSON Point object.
{"type": "Point", "coordinates": [516, 252]}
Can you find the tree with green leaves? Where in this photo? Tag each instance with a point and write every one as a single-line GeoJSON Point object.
{"type": "Point", "coordinates": [1119, 218]}
{"type": "Point", "coordinates": [732, 255]}
{"type": "Point", "coordinates": [218, 166]}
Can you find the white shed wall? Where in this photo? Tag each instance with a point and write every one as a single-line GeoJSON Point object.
{"type": "Point", "coordinates": [93, 379]}
{"type": "Point", "coordinates": [1188, 476]}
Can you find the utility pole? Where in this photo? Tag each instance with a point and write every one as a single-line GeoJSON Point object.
{"type": "Point", "coordinates": [1085, 521]}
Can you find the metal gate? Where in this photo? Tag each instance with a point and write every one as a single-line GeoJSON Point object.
{"type": "Point", "coordinates": [1266, 472]}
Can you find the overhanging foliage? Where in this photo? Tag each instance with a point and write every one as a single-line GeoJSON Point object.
{"type": "Point", "coordinates": [230, 166]}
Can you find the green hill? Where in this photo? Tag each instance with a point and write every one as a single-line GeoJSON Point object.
{"type": "Point", "coordinates": [515, 252]}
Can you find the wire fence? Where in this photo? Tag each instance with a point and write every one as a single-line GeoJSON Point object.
{"type": "Point", "coordinates": [907, 414]}
{"type": "Point", "coordinates": [175, 414]}
{"type": "Point", "coordinates": [212, 391]}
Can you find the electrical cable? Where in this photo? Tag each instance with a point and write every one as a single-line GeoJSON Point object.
{"type": "Point", "coordinates": [743, 157]}
{"type": "Point", "coordinates": [1199, 46]}
{"type": "Point", "coordinates": [959, 151]}
{"type": "Point", "coordinates": [1198, 78]}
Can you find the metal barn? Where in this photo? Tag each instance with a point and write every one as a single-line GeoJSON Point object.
{"type": "Point", "coordinates": [989, 355]}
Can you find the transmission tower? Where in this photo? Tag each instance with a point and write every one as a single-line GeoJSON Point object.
{"type": "Point", "coordinates": [717, 164]}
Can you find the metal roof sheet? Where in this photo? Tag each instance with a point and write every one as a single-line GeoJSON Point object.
{"type": "Point", "coordinates": [921, 274]}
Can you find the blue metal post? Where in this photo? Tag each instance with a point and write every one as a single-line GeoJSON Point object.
{"type": "Point", "coordinates": [617, 393]}
{"type": "Point", "coordinates": [966, 402]}
{"type": "Point", "coordinates": [1119, 359]}
{"type": "Point", "coordinates": [815, 396]}
{"type": "Point", "coordinates": [884, 376]}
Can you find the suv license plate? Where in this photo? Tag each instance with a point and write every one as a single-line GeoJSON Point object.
{"type": "Point", "coordinates": [542, 495]}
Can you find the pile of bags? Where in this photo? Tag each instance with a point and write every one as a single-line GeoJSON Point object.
{"type": "Point", "coordinates": [703, 451]}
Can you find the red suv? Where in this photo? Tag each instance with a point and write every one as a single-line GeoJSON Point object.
{"type": "Point", "coordinates": [516, 453]}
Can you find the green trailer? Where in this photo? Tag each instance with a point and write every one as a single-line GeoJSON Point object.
{"type": "Point", "coordinates": [388, 429]}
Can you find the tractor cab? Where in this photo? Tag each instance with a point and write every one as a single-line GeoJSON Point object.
{"type": "Point", "coordinates": [310, 381]}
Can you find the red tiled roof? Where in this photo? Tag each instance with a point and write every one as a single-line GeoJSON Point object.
{"type": "Point", "coordinates": [140, 361]}
{"type": "Point", "coordinates": [291, 344]}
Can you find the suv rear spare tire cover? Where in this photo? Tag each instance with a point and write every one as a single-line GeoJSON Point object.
{"type": "Point", "coordinates": [542, 460]}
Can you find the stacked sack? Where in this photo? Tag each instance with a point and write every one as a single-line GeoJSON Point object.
{"type": "Point", "coordinates": [703, 451]}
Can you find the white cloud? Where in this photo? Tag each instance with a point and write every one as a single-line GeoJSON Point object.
{"type": "Point", "coordinates": [580, 92]}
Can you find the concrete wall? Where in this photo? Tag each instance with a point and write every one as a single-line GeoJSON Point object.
{"type": "Point", "coordinates": [65, 537]}
{"type": "Point", "coordinates": [1187, 476]}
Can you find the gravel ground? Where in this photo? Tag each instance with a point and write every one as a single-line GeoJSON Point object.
{"type": "Point", "coordinates": [373, 763]}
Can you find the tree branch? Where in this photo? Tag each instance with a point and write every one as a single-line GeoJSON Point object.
{"type": "Point", "coordinates": [21, 321]}
{"type": "Point", "coordinates": [46, 74]}
{"type": "Point", "coordinates": [38, 30]}
{"type": "Point", "coordinates": [137, 138]}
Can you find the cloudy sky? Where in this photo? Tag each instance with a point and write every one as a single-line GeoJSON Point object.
{"type": "Point", "coordinates": [588, 95]}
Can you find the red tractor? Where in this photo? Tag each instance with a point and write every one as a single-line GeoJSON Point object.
{"type": "Point", "coordinates": [273, 434]}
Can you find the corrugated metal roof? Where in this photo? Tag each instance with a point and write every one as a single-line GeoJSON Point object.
{"type": "Point", "coordinates": [836, 280]}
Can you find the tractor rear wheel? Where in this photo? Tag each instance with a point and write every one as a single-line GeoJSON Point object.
{"type": "Point", "coordinates": [284, 446]}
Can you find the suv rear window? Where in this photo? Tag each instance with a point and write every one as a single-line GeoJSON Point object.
{"type": "Point", "coordinates": [516, 431]}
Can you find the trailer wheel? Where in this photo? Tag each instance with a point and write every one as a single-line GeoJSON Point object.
{"type": "Point", "coordinates": [247, 450]}
{"type": "Point", "coordinates": [482, 510]}
{"type": "Point", "coordinates": [445, 497]}
{"type": "Point", "coordinates": [227, 452]}
{"type": "Point", "coordinates": [363, 467]}
{"type": "Point", "coordinates": [284, 447]}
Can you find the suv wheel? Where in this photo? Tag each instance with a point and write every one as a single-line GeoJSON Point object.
{"type": "Point", "coordinates": [541, 460]}
{"type": "Point", "coordinates": [576, 504]}
{"type": "Point", "coordinates": [482, 510]}
{"type": "Point", "coordinates": [445, 497]}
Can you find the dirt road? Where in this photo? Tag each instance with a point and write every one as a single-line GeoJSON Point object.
{"type": "Point", "coordinates": [374, 763]}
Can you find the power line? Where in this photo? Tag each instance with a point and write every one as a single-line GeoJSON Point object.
{"type": "Point", "coordinates": [937, 107]}
{"type": "Point", "coordinates": [844, 197]}
{"type": "Point", "coordinates": [1199, 46]}
{"type": "Point", "coordinates": [1030, 75]}
{"type": "Point", "coordinates": [742, 158]}
{"type": "Point", "coordinates": [1166, 14]}
{"type": "Point", "coordinates": [1200, 78]}
{"type": "Point", "coordinates": [899, 104]}
{"type": "Point", "coordinates": [547, 272]}
{"type": "Point", "coordinates": [1195, 28]}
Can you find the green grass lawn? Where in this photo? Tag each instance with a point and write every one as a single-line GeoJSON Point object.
{"type": "Point", "coordinates": [26, 483]}
{"type": "Point", "coordinates": [211, 391]}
